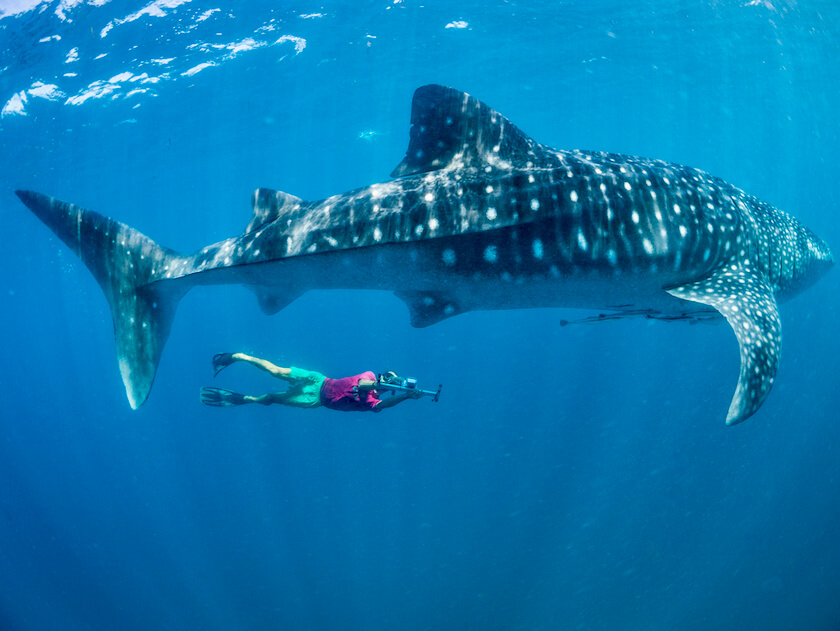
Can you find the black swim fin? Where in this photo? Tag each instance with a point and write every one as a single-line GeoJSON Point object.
{"type": "Point", "coordinates": [217, 397]}
{"type": "Point", "coordinates": [221, 361]}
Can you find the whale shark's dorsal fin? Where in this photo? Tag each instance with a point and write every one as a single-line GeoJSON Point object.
{"type": "Point", "coordinates": [269, 205]}
{"type": "Point", "coordinates": [451, 126]}
{"type": "Point", "coordinates": [744, 298]}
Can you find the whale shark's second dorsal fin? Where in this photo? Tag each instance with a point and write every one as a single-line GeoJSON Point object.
{"type": "Point", "coordinates": [269, 205]}
{"type": "Point", "coordinates": [451, 126]}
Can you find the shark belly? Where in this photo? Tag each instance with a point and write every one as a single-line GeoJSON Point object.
{"type": "Point", "coordinates": [440, 278]}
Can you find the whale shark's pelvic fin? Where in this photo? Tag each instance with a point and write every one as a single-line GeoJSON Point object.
{"type": "Point", "coordinates": [744, 298]}
{"type": "Point", "coordinates": [427, 307]}
{"type": "Point", "coordinates": [126, 265]}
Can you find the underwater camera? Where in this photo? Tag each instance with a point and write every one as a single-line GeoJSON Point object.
{"type": "Point", "coordinates": [391, 381]}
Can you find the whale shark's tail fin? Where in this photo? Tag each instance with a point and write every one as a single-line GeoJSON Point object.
{"type": "Point", "coordinates": [125, 263]}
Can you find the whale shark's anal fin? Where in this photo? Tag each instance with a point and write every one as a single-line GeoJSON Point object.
{"type": "Point", "coordinates": [273, 299]}
{"type": "Point", "coordinates": [128, 267]}
{"type": "Point", "coordinates": [746, 301]}
{"type": "Point", "coordinates": [426, 308]}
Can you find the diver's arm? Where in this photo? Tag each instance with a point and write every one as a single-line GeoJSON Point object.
{"type": "Point", "coordinates": [394, 400]}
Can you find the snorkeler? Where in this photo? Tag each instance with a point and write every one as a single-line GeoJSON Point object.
{"type": "Point", "coordinates": [309, 389]}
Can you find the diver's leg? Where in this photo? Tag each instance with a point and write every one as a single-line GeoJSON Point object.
{"type": "Point", "coordinates": [264, 364]}
{"type": "Point", "coordinates": [223, 360]}
{"type": "Point", "coordinates": [218, 397]}
{"type": "Point", "coordinates": [268, 399]}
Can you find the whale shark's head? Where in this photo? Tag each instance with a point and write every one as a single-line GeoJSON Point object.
{"type": "Point", "coordinates": [821, 256]}
{"type": "Point", "coordinates": [808, 257]}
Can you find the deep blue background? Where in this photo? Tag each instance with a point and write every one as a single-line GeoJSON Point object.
{"type": "Point", "coordinates": [575, 478]}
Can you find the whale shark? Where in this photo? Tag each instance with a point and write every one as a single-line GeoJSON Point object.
{"type": "Point", "coordinates": [479, 216]}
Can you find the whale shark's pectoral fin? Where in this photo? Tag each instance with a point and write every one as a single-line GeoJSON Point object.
{"type": "Point", "coordinates": [426, 308]}
{"type": "Point", "coordinates": [744, 298]}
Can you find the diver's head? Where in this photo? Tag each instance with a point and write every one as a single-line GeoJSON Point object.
{"type": "Point", "coordinates": [389, 376]}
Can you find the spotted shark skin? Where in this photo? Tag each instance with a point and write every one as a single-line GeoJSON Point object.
{"type": "Point", "coordinates": [480, 216]}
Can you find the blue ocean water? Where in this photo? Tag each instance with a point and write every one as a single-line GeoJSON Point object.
{"type": "Point", "coordinates": [569, 478]}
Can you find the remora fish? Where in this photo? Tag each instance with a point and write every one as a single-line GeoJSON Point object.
{"type": "Point", "coordinates": [480, 217]}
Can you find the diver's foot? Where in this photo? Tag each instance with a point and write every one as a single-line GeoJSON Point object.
{"type": "Point", "coordinates": [220, 398]}
{"type": "Point", "coordinates": [222, 361]}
